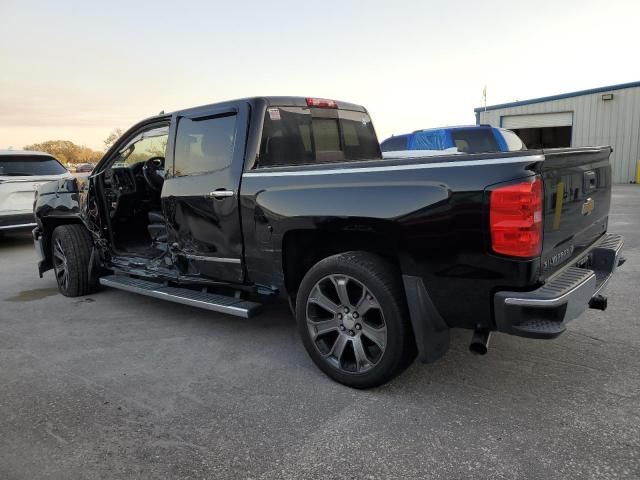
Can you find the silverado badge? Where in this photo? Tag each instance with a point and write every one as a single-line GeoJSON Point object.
{"type": "Point", "coordinates": [557, 258]}
{"type": "Point", "coordinates": [587, 206]}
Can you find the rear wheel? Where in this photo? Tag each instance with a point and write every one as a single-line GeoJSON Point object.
{"type": "Point", "coordinates": [353, 319]}
{"type": "Point", "coordinates": [71, 253]}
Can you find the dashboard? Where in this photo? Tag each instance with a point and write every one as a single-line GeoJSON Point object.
{"type": "Point", "coordinates": [121, 185]}
{"type": "Point", "coordinates": [120, 180]}
{"type": "Point", "coordinates": [127, 192]}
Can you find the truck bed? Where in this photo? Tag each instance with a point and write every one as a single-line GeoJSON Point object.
{"type": "Point", "coordinates": [434, 214]}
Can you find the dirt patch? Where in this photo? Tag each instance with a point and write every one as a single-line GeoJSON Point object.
{"type": "Point", "coordinates": [31, 295]}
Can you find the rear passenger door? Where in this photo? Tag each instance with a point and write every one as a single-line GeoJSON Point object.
{"type": "Point", "coordinates": [200, 194]}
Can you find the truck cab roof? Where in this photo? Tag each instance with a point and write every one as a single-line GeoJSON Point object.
{"type": "Point", "coordinates": [267, 101]}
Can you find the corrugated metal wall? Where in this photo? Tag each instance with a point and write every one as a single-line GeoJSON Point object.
{"type": "Point", "coordinates": [595, 122]}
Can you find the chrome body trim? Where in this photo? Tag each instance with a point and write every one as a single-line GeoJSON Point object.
{"type": "Point", "coordinates": [21, 225]}
{"type": "Point", "coordinates": [387, 168]}
{"type": "Point", "coordinates": [204, 258]}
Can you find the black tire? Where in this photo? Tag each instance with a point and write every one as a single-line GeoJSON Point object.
{"type": "Point", "coordinates": [382, 280]}
{"type": "Point", "coordinates": [71, 247]}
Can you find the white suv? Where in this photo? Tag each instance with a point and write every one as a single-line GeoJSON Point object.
{"type": "Point", "coordinates": [21, 173]}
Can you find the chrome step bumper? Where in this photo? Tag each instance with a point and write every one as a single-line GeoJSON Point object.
{"type": "Point", "coordinates": [544, 312]}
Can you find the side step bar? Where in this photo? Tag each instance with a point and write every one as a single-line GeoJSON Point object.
{"type": "Point", "coordinates": [207, 301]}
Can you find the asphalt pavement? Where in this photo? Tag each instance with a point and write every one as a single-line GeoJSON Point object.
{"type": "Point", "coordinates": [116, 385]}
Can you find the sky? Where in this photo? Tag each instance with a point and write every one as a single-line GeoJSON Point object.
{"type": "Point", "coordinates": [75, 70]}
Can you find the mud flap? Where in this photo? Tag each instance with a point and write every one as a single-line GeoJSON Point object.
{"type": "Point", "coordinates": [430, 330]}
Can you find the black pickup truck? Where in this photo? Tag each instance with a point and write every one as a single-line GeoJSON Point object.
{"type": "Point", "coordinates": [234, 205]}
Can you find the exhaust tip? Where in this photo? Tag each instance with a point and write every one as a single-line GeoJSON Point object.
{"type": "Point", "coordinates": [478, 348]}
{"type": "Point", "coordinates": [480, 341]}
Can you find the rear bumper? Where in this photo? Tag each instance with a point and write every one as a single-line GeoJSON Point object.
{"type": "Point", "coordinates": [17, 221]}
{"type": "Point", "coordinates": [544, 313]}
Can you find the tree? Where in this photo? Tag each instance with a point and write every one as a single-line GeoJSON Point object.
{"type": "Point", "coordinates": [115, 134]}
{"type": "Point", "coordinates": [159, 148]}
{"type": "Point", "coordinates": [66, 151]}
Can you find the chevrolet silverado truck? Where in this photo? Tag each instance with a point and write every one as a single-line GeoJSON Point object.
{"type": "Point", "coordinates": [233, 206]}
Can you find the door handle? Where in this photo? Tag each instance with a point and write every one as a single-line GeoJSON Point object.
{"type": "Point", "coordinates": [221, 194]}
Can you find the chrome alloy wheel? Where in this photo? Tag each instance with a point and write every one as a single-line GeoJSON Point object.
{"type": "Point", "coordinates": [346, 324]}
{"type": "Point", "coordinates": [60, 265]}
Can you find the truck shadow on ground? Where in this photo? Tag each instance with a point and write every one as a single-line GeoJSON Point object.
{"type": "Point", "coordinates": [513, 368]}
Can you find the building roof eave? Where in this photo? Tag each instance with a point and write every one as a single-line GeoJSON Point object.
{"type": "Point", "coordinates": [561, 96]}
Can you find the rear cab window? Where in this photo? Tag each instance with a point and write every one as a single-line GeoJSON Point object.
{"type": "Point", "coordinates": [474, 140]}
{"type": "Point", "coordinates": [308, 135]}
{"type": "Point", "coordinates": [29, 166]}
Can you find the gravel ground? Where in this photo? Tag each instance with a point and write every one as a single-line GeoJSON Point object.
{"type": "Point", "coordinates": [121, 386]}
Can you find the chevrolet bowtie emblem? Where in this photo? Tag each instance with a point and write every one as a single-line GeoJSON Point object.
{"type": "Point", "coordinates": [587, 206]}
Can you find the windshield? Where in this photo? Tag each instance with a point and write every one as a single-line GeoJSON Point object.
{"type": "Point", "coordinates": [29, 165]}
{"type": "Point", "coordinates": [298, 136]}
{"type": "Point", "coordinates": [149, 144]}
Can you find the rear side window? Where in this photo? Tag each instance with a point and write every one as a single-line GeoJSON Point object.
{"type": "Point", "coordinates": [204, 145]}
{"type": "Point", "coordinates": [513, 141]}
{"type": "Point", "coordinates": [394, 144]}
{"type": "Point", "coordinates": [29, 165]}
{"type": "Point", "coordinates": [299, 136]}
{"type": "Point", "coordinates": [476, 140]}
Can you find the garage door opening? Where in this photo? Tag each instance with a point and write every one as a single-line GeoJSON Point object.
{"type": "Point", "coordinates": [545, 137]}
{"type": "Point", "coordinates": [541, 130]}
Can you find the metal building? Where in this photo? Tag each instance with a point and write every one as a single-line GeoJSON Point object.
{"type": "Point", "coordinates": [600, 116]}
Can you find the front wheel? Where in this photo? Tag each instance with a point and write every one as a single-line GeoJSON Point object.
{"type": "Point", "coordinates": [353, 320]}
{"type": "Point", "coordinates": [71, 253]}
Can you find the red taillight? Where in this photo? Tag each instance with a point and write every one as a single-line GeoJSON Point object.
{"type": "Point", "coordinates": [516, 219]}
{"type": "Point", "coordinates": [321, 103]}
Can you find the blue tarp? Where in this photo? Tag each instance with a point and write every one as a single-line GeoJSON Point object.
{"type": "Point", "coordinates": [431, 140]}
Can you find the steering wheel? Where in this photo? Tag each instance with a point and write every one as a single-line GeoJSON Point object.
{"type": "Point", "coordinates": [151, 173]}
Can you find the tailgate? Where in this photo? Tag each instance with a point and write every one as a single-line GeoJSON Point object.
{"type": "Point", "coordinates": [17, 195]}
{"type": "Point", "coordinates": [577, 194]}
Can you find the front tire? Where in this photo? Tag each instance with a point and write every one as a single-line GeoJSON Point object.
{"type": "Point", "coordinates": [71, 247]}
{"type": "Point", "coordinates": [352, 316]}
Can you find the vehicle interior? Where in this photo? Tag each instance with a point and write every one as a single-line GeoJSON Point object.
{"type": "Point", "coordinates": [131, 186]}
